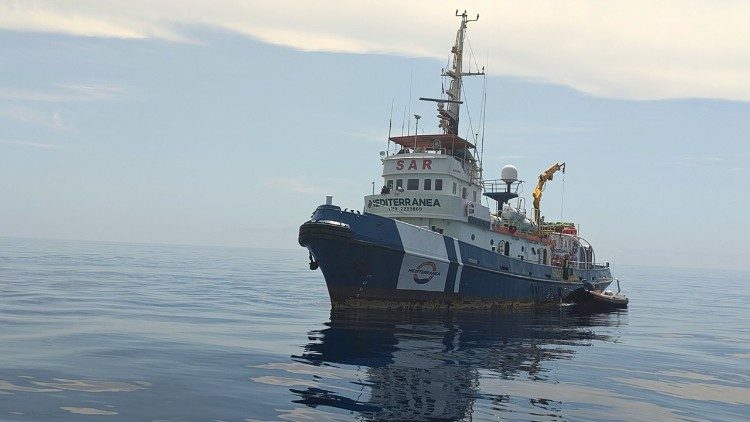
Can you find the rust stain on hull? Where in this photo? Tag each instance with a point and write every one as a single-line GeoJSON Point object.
{"type": "Point", "coordinates": [497, 305]}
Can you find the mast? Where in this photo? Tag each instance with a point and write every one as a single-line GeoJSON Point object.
{"type": "Point", "coordinates": [449, 116]}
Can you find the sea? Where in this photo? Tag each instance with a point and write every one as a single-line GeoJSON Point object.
{"type": "Point", "coordinates": [143, 332]}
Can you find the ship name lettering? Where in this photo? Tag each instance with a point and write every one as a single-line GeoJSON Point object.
{"type": "Point", "coordinates": [426, 165]}
{"type": "Point", "coordinates": [403, 202]}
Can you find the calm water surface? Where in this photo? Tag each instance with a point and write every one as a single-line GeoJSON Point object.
{"type": "Point", "coordinates": [105, 331]}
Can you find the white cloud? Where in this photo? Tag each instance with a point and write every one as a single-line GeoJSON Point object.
{"type": "Point", "coordinates": [624, 49]}
{"type": "Point", "coordinates": [80, 19]}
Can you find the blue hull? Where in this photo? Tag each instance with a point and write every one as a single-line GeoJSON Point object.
{"type": "Point", "coordinates": [365, 263]}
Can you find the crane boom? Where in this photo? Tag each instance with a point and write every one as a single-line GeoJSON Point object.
{"type": "Point", "coordinates": [543, 178]}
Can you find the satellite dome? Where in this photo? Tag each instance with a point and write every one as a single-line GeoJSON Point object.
{"type": "Point", "coordinates": [509, 174]}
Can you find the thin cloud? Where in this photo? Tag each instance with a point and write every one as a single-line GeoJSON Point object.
{"type": "Point", "coordinates": [52, 120]}
{"type": "Point", "coordinates": [29, 144]}
{"type": "Point", "coordinates": [510, 129]}
{"type": "Point", "coordinates": [92, 92]}
{"type": "Point", "coordinates": [730, 161]}
{"type": "Point", "coordinates": [303, 185]}
{"type": "Point", "coordinates": [294, 184]}
{"type": "Point", "coordinates": [505, 157]}
{"type": "Point", "coordinates": [700, 161]}
{"type": "Point", "coordinates": [63, 93]}
{"type": "Point", "coordinates": [622, 49]}
{"type": "Point", "coordinates": [369, 136]}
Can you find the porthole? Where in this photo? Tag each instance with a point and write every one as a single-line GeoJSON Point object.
{"type": "Point", "coordinates": [473, 237]}
{"type": "Point", "coordinates": [492, 242]}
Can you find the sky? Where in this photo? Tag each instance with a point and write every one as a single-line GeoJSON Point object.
{"type": "Point", "coordinates": [227, 122]}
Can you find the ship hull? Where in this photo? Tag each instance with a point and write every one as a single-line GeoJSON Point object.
{"type": "Point", "coordinates": [373, 261]}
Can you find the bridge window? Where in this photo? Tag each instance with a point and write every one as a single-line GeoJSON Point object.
{"type": "Point", "coordinates": [454, 188]}
{"type": "Point", "coordinates": [400, 184]}
{"type": "Point", "coordinates": [412, 184]}
{"type": "Point", "coordinates": [427, 184]}
{"type": "Point", "coordinates": [389, 183]}
{"type": "Point", "coordinates": [438, 184]}
{"type": "Point", "coordinates": [464, 193]}
{"type": "Point", "coordinates": [475, 196]}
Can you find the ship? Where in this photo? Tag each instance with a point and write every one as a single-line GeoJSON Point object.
{"type": "Point", "coordinates": [426, 240]}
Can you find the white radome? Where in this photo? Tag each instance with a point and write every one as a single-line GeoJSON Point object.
{"type": "Point", "coordinates": [509, 173]}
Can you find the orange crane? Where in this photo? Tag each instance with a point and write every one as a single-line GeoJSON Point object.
{"type": "Point", "coordinates": [546, 175]}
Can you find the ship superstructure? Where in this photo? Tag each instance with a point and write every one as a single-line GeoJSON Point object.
{"type": "Point", "coordinates": [427, 240]}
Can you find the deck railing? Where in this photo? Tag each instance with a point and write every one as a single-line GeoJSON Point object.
{"type": "Point", "coordinates": [581, 265]}
{"type": "Point", "coordinates": [499, 185]}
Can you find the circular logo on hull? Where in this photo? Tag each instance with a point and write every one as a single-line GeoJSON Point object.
{"type": "Point", "coordinates": [424, 272]}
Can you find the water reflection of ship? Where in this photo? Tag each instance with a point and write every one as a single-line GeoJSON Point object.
{"type": "Point", "coordinates": [421, 366]}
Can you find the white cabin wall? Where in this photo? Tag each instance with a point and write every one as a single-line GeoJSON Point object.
{"type": "Point", "coordinates": [425, 165]}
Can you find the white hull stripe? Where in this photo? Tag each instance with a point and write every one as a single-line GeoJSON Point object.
{"type": "Point", "coordinates": [457, 284]}
{"type": "Point", "coordinates": [425, 263]}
